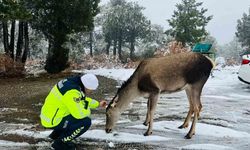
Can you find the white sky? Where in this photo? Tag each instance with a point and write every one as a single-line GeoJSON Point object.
{"type": "Point", "coordinates": [222, 26]}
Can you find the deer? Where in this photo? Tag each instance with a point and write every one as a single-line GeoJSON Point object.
{"type": "Point", "coordinates": [187, 71]}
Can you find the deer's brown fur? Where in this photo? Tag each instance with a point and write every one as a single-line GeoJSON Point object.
{"type": "Point", "coordinates": [184, 71]}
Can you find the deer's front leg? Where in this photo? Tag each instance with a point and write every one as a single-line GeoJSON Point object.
{"type": "Point", "coordinates": [148, 114]}
{"type": "Point", "coordinates": [153, 102]}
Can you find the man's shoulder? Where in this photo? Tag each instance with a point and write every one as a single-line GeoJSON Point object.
{"type": "Point", "coordinates": [67, 85]}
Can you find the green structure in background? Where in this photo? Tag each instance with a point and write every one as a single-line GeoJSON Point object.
{"type": "Point", "coordinates": [204, 49]}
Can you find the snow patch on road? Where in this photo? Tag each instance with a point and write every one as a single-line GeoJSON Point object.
{"type": "Point", "coordinates": [97, 135]}
{"type": "Point", "coordinates": [205, 147]}
{"type": "Point", "coordinates": [201, 129]}
{"type": "Point", "coordinates": [4, 143]}
{"type": "Point", "coordinates": [121, 137]}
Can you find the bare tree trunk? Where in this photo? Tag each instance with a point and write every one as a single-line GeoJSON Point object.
{"type": "Point", "coordinates": [132, 48]}
{"type": "Point", "coordinates": [5, 37]}
{"type": "Point", "coordinates": [114, 48]}
{"type": "Point", "coordinates": [1, 29]}
{"type": "Point", "coordinates": [26, 42]}
{"type": "Point", "coordinates": [108, 47]}
{"type": "Point", "coordinates": [57, 59]}
{"type": "Point", "coordinates": [12, 39]}
{"type": "Point", "coordinates": [91, 43]}
{"type": "Point", "coordinates": [19, 42]}
{"type": "Point", "coordinates": [120, 46]}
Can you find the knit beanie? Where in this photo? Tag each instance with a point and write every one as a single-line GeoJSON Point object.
{"type": "Point", "coordinates": [90, 81]}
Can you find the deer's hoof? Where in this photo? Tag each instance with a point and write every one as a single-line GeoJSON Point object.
{"type": "Point", "coordinates": [145, 123]}
{"type": "Point", "coordinates": [189, 136]}
{"type": "Point", "coordinates": [147, 133]}
{"type": "Point", "coordinates": [183, 126]}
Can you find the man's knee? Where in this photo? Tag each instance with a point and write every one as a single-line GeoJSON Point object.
{"type": "Point", "coordinates": [86, 122]}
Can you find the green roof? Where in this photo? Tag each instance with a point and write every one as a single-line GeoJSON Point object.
{"type": "Point", "coordinates": [202, 48]}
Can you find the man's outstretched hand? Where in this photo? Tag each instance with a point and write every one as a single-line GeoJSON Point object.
{"type": "Point", "coordinates": [103, 103]}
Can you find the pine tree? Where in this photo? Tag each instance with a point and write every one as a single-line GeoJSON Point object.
{"type": "Point", "coordinates": [243, 31]}
{"type": "Point", "coordinates": [56, 19]}
{"type": "Point", "coordinates": [188, 22]}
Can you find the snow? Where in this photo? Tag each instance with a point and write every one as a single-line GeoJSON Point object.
{"type": "Point", "coordinates": [96, 135]}
{"type": "Point", "coordinates": [111, 144]}
{"type": "Point", "coordinates": [201, 129]}
{"type": "Point", "coordinates": [205, 147]}
{"type": "Point", "coordinates": [97, 122]}
{"type": "Point", "coordinates": [223, 125]}
{"type": "Point", "coordinates": [4, 143]}
{"type": "Point", "coordinates": [116, 74]}
{"type": "Point", "coordinates": [102, 121]}
{"type": "Point", "coordinates": [34, 134]}
{"type": "Point", "coordinates": [122, 137]}
{"type": "Point", "coordinates": [224, 100]}
{"type": "Point", "coordinates": [224, 76]}
{"type": "Point", "coordinates": [8, 109]}
{"type": "Point", "coordinates": [220, 61]}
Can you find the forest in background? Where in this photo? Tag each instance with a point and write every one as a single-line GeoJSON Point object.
{"type": "Point", "coordinates": [77, 34]}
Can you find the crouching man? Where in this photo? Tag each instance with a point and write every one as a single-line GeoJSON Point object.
{"type": "Point", "coordinates": [67, 110]}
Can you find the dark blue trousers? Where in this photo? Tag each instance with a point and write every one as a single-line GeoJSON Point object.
{"type": "Point", "coordinates": [71, 128]}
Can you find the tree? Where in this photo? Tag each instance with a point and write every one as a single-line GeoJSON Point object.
{"type": "Point", "coordinates": [77, 43]}
{"type": "Point", "coordinates": [56, 19]}
{"type": "Point", "coordinates": [38, 45]}
{"type": "Point", "coordinates": [243, 31]}
{"type": "Point", "coordinates": [188, 23]}
{"type": "Point", "coordinates": [137, 25]}
{"type": "Point", "coordinates": [156, 39]}
{"type": "Point", "coordinates": [124, 23]}
{"type": "Point", "coordinates": [231, 50]}
{"type": "Point", "coordinates": [12, 13]}
{"type": "Point", "coordinates": [1, 37]}
{"type": "Point", "coordinates": [114, 26]}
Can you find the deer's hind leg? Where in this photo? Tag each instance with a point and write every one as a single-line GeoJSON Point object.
{"type": "Point", "coordinates": [196, 105]}
{"type": "Point", "coordinates": [153, 98]}
{"type": "Point", "coordinates": [190, 111]}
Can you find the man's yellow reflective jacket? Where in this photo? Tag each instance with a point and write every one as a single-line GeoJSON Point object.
{"type": "Point", "coordinates": [66, 98]}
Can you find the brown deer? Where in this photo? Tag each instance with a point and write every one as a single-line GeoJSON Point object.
{"type": "Point", "coordinates": [168, 74]}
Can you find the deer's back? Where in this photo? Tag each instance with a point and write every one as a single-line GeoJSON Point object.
{"type": "Point", "coordinates": [171, 73]}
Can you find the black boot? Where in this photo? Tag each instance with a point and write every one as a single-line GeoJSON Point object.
{"type": "Point", "coordinates": [60, 145]}
{"type": "Point", "coordinates": [54, 134]}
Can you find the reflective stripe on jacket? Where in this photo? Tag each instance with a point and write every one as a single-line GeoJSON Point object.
{"type": "Point", "coordinates": [57, 106]}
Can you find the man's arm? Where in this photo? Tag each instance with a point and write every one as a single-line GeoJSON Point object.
{"type": "Point", "coordinates": [92, 103]}
{"type": "Point", "coordinates": [73, 101]}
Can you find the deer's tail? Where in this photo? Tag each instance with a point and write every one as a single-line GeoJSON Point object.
{"type": "Point", "coordinates": [212, 62]}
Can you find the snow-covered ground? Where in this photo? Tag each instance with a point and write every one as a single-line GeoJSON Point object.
{"type": "Point", "coordinates": [224, 123]}
{"type": "Point", "coordinates": [225, 118]}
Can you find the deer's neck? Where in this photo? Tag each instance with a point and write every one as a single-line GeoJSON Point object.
{"type": "Point", "coordinates": [127, 95]}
